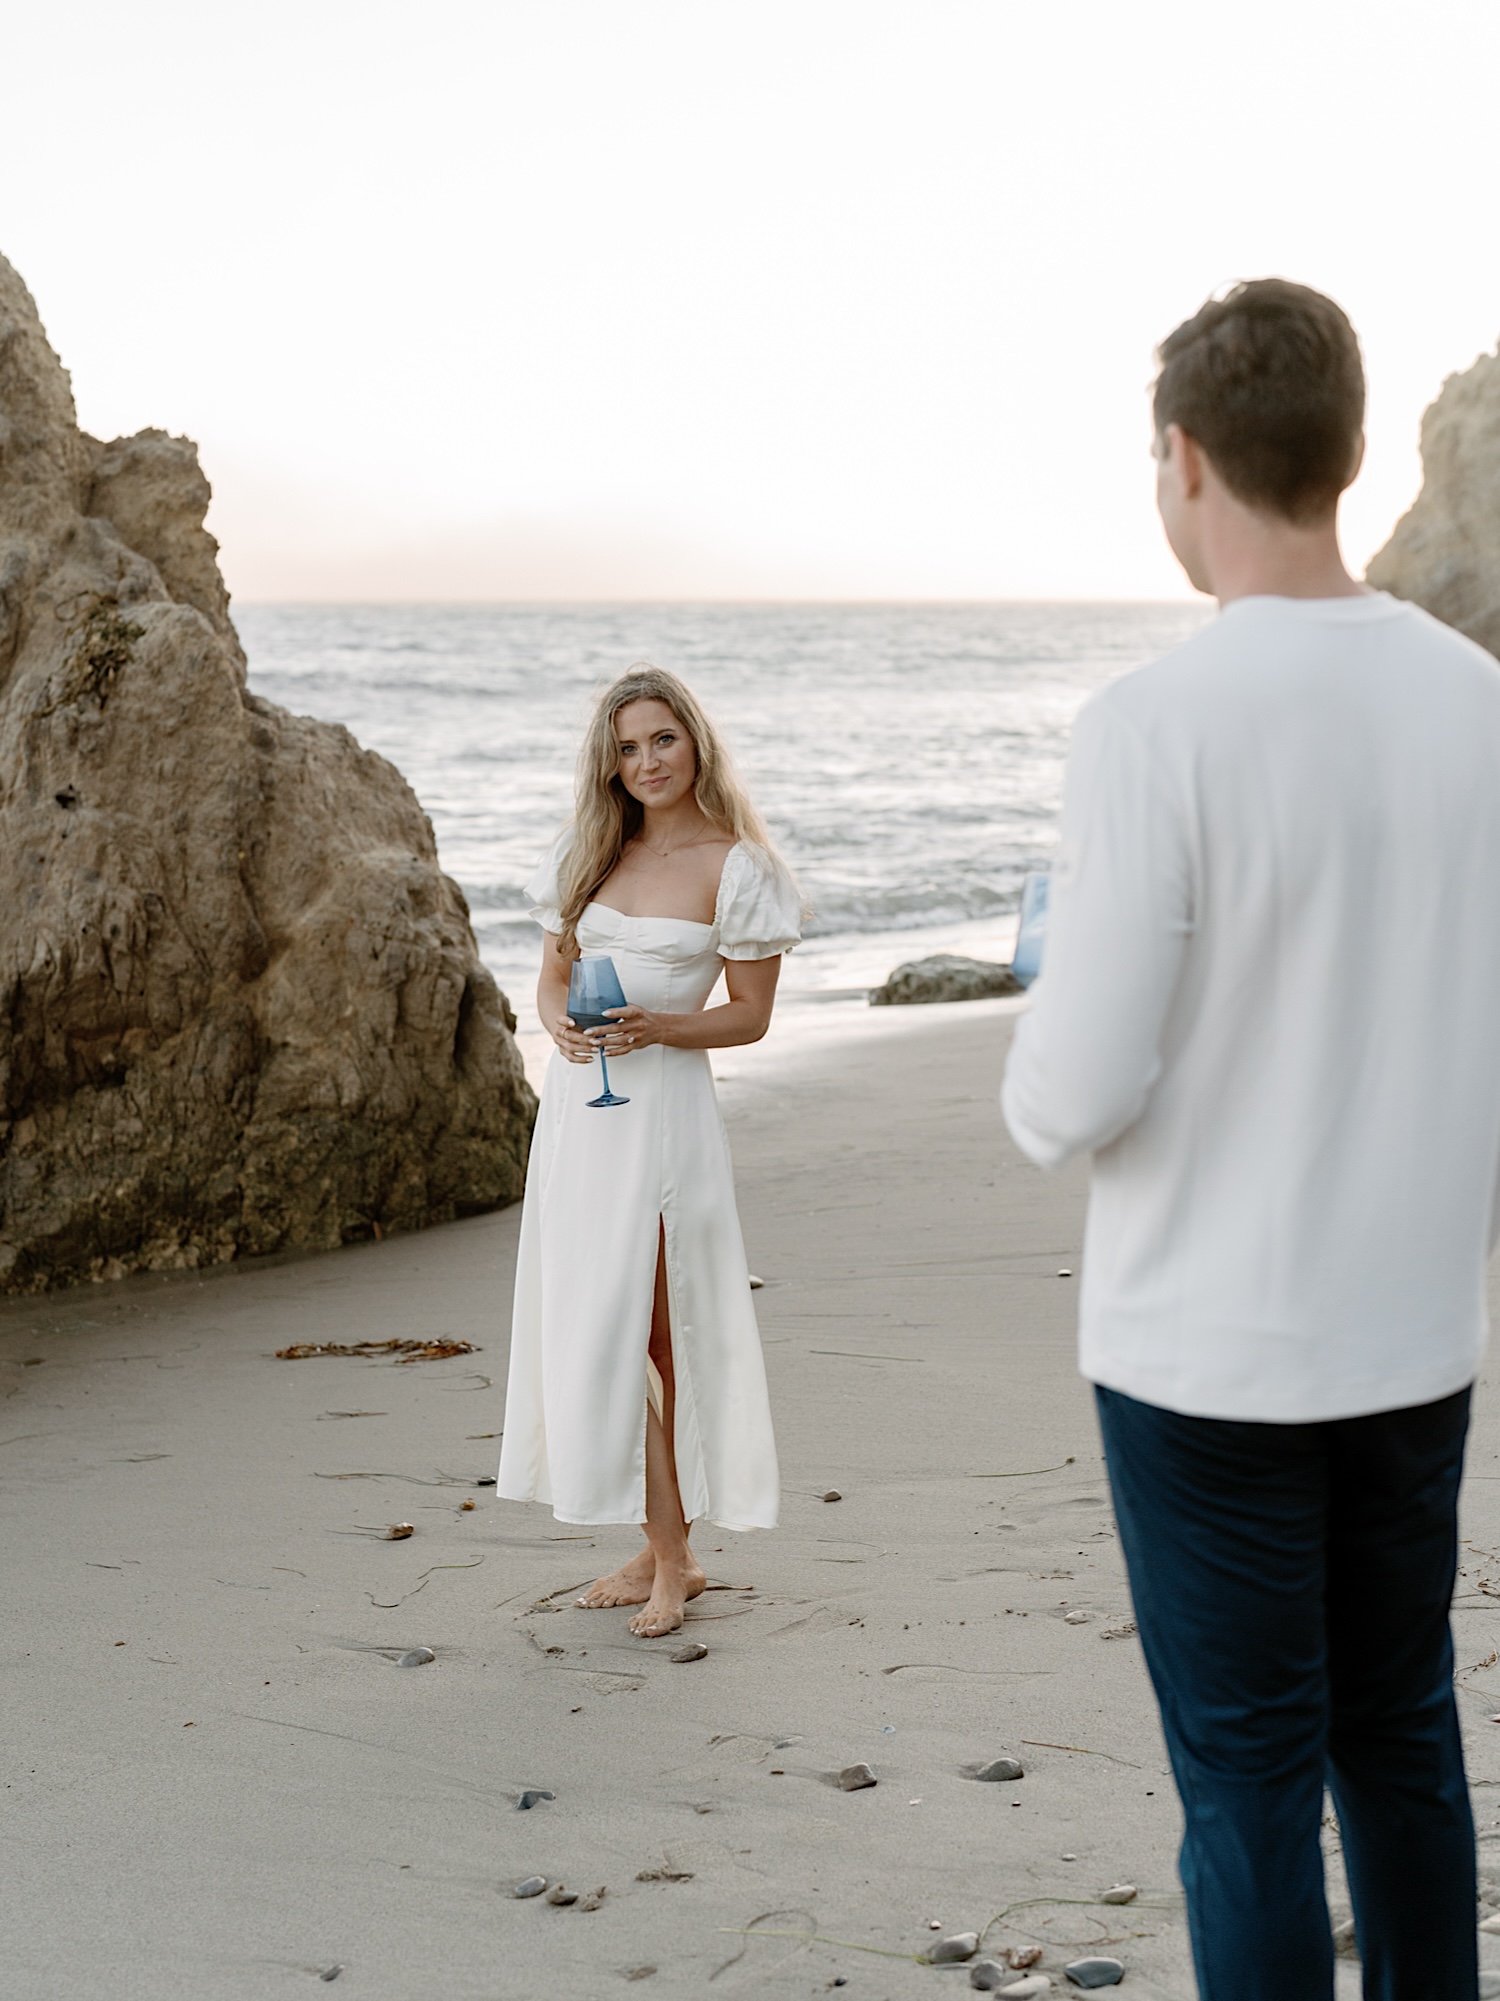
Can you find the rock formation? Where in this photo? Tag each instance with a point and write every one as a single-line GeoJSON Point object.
{"type": "Point", "coordinates": [1445, 552]}
{"type": "Point", "coordinates": [241, 1008]}
{"type": "Point", "coordinates": [944, 977]}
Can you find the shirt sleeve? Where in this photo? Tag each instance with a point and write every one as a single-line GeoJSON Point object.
{"type": "Point", "coordinates": [760, 908]}
{"type": "Point", "coordinates": [543, 891]}
{"type": "Point", "coordinates": [1087, 1052]}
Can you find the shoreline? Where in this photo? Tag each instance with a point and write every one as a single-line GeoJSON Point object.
{"type": "Point", "coordinates": [229, 1787]}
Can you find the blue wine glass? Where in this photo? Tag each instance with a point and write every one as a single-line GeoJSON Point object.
{"type": "Point", "coordinates": [593, 988]}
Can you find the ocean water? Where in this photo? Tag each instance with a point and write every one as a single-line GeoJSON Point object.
{"type": "Point", "coordinates": [908, 758]}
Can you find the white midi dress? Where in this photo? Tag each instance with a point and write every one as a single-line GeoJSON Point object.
{"type": "Point", "coordinates": [602, 1188]}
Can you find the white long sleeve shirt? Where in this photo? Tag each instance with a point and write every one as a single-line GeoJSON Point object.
{"type": "Point", "coordinates": [1270, 1011]}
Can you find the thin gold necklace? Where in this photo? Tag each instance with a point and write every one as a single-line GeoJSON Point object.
{"type": "Point", "coordinates": [663, 853]}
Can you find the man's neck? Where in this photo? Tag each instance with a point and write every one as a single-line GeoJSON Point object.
{"type": "Point", "coordinates": [1271, 558]}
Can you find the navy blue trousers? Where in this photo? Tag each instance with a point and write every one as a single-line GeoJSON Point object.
{"type": "Point", "coordinates": [1292, 1585]}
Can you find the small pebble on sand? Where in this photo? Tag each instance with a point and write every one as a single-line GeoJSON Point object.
{"type": "Point", "coordinates": [854, 1778]}
{"type": "Point", "coordinates": [988, 1975]}
{"type": "Point", "coordinates": [1491, 1924]}
{"type": "Point", "coordinates": [756, 1283]}
{"type": "Point", "coordinates": [1119, 1893]}
{"type": "Point", "coordinates": [416, 1657]}
{"type": "Point", "coordinates": [330, 1973]}
{"type": "Point", "coordinates": [1096, 1972]}
{"type": "Point", "coordinates": [1022, 1956]}
{"type": "Point", "coordinates": [996, 1770]}
{"type": "Point", "coordinates": [593, 1900]}
{"type": "Point", "coordinates": [561, 1895]}
{"type": "Point", "coordinates": [953, 1950]}
{"type": "Point", "coordinates": [530, 1886]}
{"type": "Point", "coordinates": [1075, 1618]}
{"type": "Point", "coordinates": [693, 1651]}
{"type": "Point", "coordinates": [530, 1797]}
{"type": "Point", "coordinates": [1344, 1940]}
{"type": "Point", "coordinates": [833, 1494]}
{"type": "Point", "coordinates": [1031, 1984]}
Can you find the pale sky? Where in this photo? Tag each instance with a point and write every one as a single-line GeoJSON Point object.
{"type": "Point", "coordinates": [500, 299]}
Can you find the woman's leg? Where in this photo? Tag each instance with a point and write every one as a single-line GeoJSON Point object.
{"type": "Point", "coordinates": [631, 1583]}
{"type": "Point", "coordinates": [675, 1577]}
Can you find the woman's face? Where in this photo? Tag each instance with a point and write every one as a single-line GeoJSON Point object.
{"type": "Point", "coordinates": [658, 763]}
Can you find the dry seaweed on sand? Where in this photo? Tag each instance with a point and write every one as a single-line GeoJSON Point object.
{"type": "Point", "coordinates": [404, 1351]}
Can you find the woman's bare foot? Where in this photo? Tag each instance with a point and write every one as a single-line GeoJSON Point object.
{"type": "Point", "coordinates": [629, 1585]}
{"type": "Point", "coordinates": [671, 1588]}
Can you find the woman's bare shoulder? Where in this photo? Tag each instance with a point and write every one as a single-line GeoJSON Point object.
{"type": "Point", "coordinates": [710, 856]}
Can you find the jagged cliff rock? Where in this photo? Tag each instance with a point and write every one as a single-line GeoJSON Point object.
{"type": "Point", "coordinates": [1445, 552]}
{"type": "Point", "coordinates": [241, 1008]}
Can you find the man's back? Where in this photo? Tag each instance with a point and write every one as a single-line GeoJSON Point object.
{"type": "Point", "coordinates": [1276, 961]}
{"type": "Point", "coordinates": [1269, 1012]}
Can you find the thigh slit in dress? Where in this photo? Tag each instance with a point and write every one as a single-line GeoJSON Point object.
{"type": "Point", "coordinates": [604, 1189]}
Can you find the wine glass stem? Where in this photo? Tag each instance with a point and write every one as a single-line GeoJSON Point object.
{"type": "Point", "coordinates": [604, 1067]}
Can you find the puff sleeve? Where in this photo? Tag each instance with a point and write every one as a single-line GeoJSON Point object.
{"type": "Point", "coordinates": [760, 908]}
{"type": "Point", "coordinates": [543, 891]}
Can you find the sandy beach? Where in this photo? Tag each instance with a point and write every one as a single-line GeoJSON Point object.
{"type": "Point", "coordinates": [222, 1784]}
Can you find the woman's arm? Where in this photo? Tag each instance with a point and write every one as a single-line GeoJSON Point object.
{"type": "Point", "coordinates": [552, 1004]}
{"type": "Point", "coordinates": [744, 1017]}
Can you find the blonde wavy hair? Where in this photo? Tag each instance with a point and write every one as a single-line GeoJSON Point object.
{"type": "Point", "coordinates": [606, 816]}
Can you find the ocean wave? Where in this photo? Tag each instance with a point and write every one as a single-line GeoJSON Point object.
{"type": "Point", "coordinates": [837, 907]}
{"type": "Point", "coordinates": [901, 907]}
{"type": "Point", "coordinates": [423, 687]}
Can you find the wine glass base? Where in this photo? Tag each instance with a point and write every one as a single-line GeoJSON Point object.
{"type": "Point", "coordinates": [609, 1098]}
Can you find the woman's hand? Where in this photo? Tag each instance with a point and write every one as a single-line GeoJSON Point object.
{"type": "Point", "coordinates": [631, 1028]}
{"type": "Point", "coordinates": [574, 1044]}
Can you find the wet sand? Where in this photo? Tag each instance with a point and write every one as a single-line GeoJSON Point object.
{"type": "Point", "coordinates": [222, 1783]}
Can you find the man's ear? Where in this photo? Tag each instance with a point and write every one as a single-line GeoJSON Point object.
{"type": "Point", "coordinates": [1185, 456]}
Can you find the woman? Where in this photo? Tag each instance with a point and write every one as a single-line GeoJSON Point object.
{"type": "Point", "coordinates": [637, 1392]}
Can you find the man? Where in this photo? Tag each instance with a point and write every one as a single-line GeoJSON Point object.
{"type": "Point", "coordinates": [1270, 1011]}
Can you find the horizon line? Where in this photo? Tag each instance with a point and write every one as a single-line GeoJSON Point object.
{"type": "Point", "coordinates": [699, 603]}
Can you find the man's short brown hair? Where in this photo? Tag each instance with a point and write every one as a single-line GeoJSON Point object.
{"type": "Point", "coordinates": [1269, 382]}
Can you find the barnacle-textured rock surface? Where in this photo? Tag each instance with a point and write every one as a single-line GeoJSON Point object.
{"type": "Point", "coordinates": [1445, 551]}
{"type": "Point", "coordinates": [241, 1007]}
{"type": "Point", "coordinates": [944, 977]}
